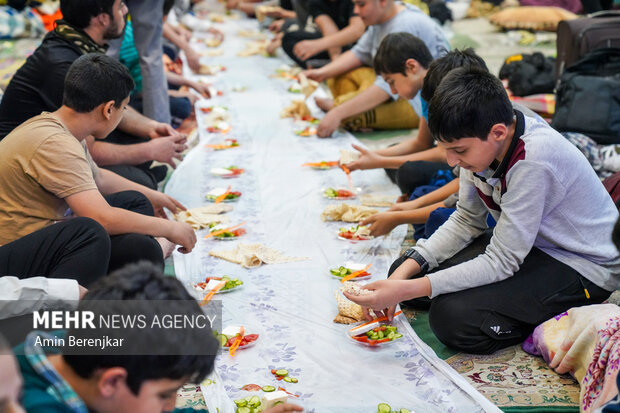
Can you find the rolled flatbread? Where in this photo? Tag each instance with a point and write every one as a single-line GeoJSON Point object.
{"type": "Point", "coordinates": [253, 255]}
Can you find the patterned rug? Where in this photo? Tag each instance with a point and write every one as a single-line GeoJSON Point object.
{"type": "Point", "coordinates": [512, 379]}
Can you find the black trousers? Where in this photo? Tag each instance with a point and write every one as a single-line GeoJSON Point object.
{"type": "Point", "coordinates": [290, 39]}
{"type": "Point", "coordinates": [130, 248]}
{"type": "Point", "coordinates": [485, 319]}
{"type": "Point", "coordinates": [78, 248]}
{"type": "Point", "coordinates": [414, 174]}
{"type": "Point", "coordinates": [143, 173]}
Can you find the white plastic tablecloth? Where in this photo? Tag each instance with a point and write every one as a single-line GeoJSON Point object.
{"type": "Point", "coordinates": [292, 305]}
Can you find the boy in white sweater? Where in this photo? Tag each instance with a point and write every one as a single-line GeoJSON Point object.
{"type": "Point", "coordinates": [551, 249]}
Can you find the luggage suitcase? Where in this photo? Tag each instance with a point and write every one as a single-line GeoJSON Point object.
{"type": "Point", "coordinates": [580, 36]}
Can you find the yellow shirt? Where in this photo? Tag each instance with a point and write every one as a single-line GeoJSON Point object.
{"type": "Point", "coordinates": [41, 163]}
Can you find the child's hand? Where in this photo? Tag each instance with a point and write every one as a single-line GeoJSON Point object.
{"type": "Point", "coordinates": [367, 160]}
{"type": "Point", "coordinates": [160, 129]}
{"type": "Point", "coordinates": [315, 74]}
{"type": "Point", "coordinates": [328, 125]}
{"type": "Point", "coordinates": [381, 223]}
{"type": "Point", "coordinates": [168, 149]}
{"type": "Point", "coordinates": [201, 88]}
{"type": "Point", "coordinates": [386, 294]}
{"type": "Point", "coordinates": [307, 48]}
{"type": "Point", "coordinates": [182, 234]}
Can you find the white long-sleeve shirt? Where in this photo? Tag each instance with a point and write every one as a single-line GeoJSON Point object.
{"type": "Point", "coordinates": [23, 296]}
{"type": "Point", "coordinates": [543, 194]}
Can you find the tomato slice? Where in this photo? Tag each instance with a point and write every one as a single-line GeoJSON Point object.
{"type": "Point", "coordinates": [343, 193]}
{"type": "Point", "coordinates": [252, 387]}
{"type": "Point", "coordinates": [238, 232]}
{"type": "Point", "coordinates": [253, 337]}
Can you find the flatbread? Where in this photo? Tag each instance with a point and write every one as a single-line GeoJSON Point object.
{"type": "Point", "coordinates": [348, 311]}
{"type": "Point", "coordinates": [212, 53]}
{"type": "Point", "coordinates": [297, 110]}
{"type": "Point", "coordinates": [253, 255]}
{"type": "Point", "coordinates": [201, 217]}
{"type": "Point", "coordinates": [214, 42]}
{"type": "Point", "coordinates": [213, 117]}
{"type": "Point", "coordinates": [378, 200]}
{"type": "Point", "coordinates": [347, 213]}
{"type": "Point", "coordinates": [252, 34]}
{"type": "Point", "coordinates": [353, 288]}
{"type": "Point", "coordinates": [253, 48]}
{"type": "Point", "coordinates": [347, 156]}
{"type": "Point", "coordinates": [308, 86]}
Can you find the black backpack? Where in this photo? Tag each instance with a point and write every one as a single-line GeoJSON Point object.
{"type": "Point", "coordinates": [529, 74]}
{"type": "Point", "coordinates": [588, 97]}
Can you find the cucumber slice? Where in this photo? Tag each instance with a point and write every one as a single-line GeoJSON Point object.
{"type": "Point", "coordinates": [268, 389]}
{"type": "Point", "coordinates": [281, 372]}
{"type": "Point", "coordinates": [384, 408]}
{"type": "Point", "coordinates": [294, 380]}
{"type": "Point", "coordinates": [254, 401]}
{"type": "Point", "coordinates": [241, 402]}
{"type": "Point", "coordinates": [223, 340]}
{"type": "Point", "coordinates": [404, 411]}
{"type": "Point", "coordinates": [288, 379]}
{"type": "Point", "coordinates": [244, 410]}
{"type": "Point", "coordinates": [343, 271]}
{"type": "Point", "coordinates": [397, 335]}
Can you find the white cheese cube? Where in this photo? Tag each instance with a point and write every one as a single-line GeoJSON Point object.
{"type": "Point", "coordinates": [354, 266]}
{"type": "Point", "coordinates": [212, 284]}
{"type": "Point", "coordinates": [216, 191]}
{"type": "Point", "coordinates": [231, 331]}
{"type": "Point", "coordinates": [220, 171]}
{"type": "Point", "coordinates": [270, 399]}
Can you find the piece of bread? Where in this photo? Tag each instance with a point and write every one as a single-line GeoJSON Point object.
{"type": "Point", "coordinates": [253, 255]}
{"type": "Point", "coordinates": [347, 156]}
{"type": "Point", "coordinates": [347, 213]}
{"type": "Point", "coordinates": [378, 200]}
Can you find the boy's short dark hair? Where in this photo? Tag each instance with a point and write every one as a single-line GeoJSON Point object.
{"type": "Point", "coordinates": [94, 79]}
{"type": "Point", "coordinates": [440, 67]}
{"type": "Point", "coordinates": [79, 12]}
{"type": "Point", "coordinates": [467, 103]}
{"type": "Point", "coordinates": [141, 283]}
{"type": "Point", "coordinates": [396, 48]}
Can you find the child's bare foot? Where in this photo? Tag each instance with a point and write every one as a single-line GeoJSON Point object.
{"type": "Point", "coordinates": [326, 104]}
{"type": "Point", "coordinates": [166, 246]}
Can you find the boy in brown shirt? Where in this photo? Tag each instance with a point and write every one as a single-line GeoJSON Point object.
{"type": "Point", "coordinates": [50, 177]}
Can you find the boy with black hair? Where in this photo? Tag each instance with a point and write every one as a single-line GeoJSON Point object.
{"type": "Point", "coordinates": [551, 249]}
{"type": "Point", "coordinates": [361, 99]}
{"type": "Point", "coordinates": [49, 176]}
{"type": "Point", "coordinates": [118, 383]}
{"type": "Point", "coordinates": [399, 61]}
